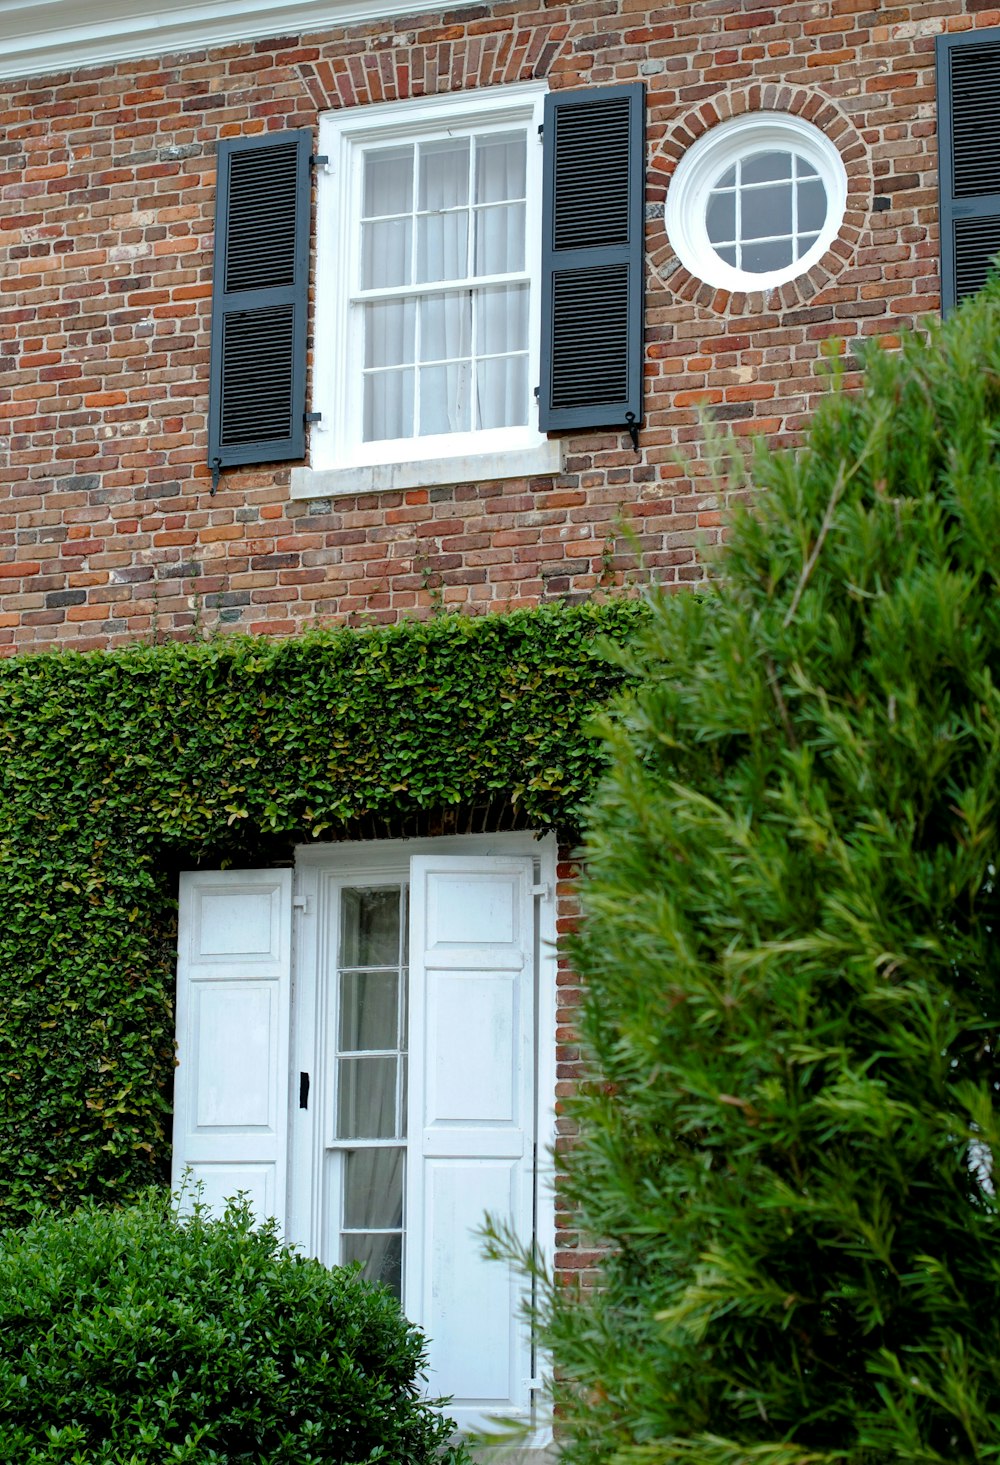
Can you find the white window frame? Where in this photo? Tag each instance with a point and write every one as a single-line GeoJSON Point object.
{"type": "Point", "coordinates": [320, 874]}
{"type": "Point", "coordinates": [709, 157]}
{"type": "Point", "coordinates": [340, 461]}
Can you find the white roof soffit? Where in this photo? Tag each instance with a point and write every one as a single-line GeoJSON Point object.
{"type": "Point", "coordinates": [38, 37]}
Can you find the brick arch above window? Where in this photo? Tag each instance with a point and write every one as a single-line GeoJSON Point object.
{"type": "Point", "coordinates": [680, 134]}
{"type": "Point", "coordinates": [412, 68]}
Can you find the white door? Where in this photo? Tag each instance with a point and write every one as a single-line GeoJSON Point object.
{"type": "Point", "coordinates": [397, 1086]}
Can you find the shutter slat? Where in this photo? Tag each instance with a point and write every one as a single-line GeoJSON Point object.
{"type": "Point", "coordinates": [257, 375]}
{"type": "Point", "coordinates": [592, 259]}
{"type": "Point", "coordinates": [968, 90]}
{"type": "Point", "coordinates": [977, 241]}
{"type": "Point", "coordinates": [260, 300]}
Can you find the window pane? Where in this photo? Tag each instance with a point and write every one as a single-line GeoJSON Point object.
{"type": "Point", "coordinates": [442, 247]}
{"type": "Point", "coordinates": [388, 181]}
{"type": "Point", "coordinates": [444, 173]}
{"type": "Point", "coordinates": [366, 1098]}
{"type": "Point", "coordinates": [728, 253]}
{"type": "Point", "coordinates": [390, 336]}
{"type": "Point", "coordinates": [369, 1010]}
{"type": "Point", "coordinates": [373, 1189]}
{"type": "Point", "coordinates": [500, 239]}
{"type": "Point", "coordinates": [770, 254]}
{"type": "Point", "coordinates": [370, 926]}
{"type": "Point", "coordinates": [445, 398]}
{"type": "Point", "coordinates": [812, 207]}
{"type": "Point", "coordinates": [728, 179]}
{"type": "Point", "coordinates": [720, 217]}
{"type": "Point", "coordinates": [503, 392]}
{"type": "Point", "coordinates": [385, 253]}
{"type": "Point", "coordinates": [500, 167]}
{"type": "Point", "coordinates": [766, 167]}
{"type": "Point", "coordinates": [502, 321]}
{"type": "Point", "coordinates": [445, 326]}
{"type": "Point", "coordinates": [766, 211]}
{"type": "Point", "coordinates": [388, 405]}
{"type": "Point", "coordinates": [382, 1257]}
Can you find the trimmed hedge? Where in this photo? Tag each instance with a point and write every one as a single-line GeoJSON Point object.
{"type": "Point", "coordinates": [117, 769]}
{"type": "Point", "coordinates": [134, 1338]}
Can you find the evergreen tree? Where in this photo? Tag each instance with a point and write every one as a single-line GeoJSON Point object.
{"type": "Point", "coordinates": [791, 950]}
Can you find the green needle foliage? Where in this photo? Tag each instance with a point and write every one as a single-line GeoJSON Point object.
{"type": "Point", "coordinates": [117, 769]}
{"type": "Point", "coordinates": [133, 1338]}
{"type": "Point", "coordinates": [791, 949]}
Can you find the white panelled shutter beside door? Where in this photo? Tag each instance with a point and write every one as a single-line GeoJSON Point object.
{"type": "Point", "coordinates": [233, 1008]}
{"type": "Point", "coordinates": [471, 1123]}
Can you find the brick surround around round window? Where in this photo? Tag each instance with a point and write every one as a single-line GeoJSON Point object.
{"type": "Point", "coordinates": [681, 134]}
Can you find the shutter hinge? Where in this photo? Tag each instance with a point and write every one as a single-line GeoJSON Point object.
{"type": "Point", "coordinates": [319, 160]}
{"type": "Point", "coordinates": [543, 890]}
{"type": "Point", "coordinates": [216, 467]}
{"type": "Point", "coordinates": [301, 903]}
{"type": "Point", "coordinates": [633, 430]}
{"type": "Point", "coordinates": [541, 131]}
{"type": "Point", "coordinates": [314, 417]}
{"type": "Point", "coordinates": [535, 1385]}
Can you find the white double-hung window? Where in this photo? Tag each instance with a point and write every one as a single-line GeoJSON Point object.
{"type": "Point", "coordinates": [425, 355]}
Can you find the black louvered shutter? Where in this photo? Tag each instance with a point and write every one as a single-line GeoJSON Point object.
{"type": "Point", "coordinates": [260, 300]}
{"type": "Point", "coordinates": [592, 258]}
{"type": "Point", "coordinates": [968, 72]}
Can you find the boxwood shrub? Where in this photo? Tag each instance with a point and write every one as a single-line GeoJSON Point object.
{"type": "Point", "coordinates": [132, 1337]}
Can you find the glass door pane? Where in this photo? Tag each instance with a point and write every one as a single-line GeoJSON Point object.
{"type": "Point", "coordinates": [370, 1080]}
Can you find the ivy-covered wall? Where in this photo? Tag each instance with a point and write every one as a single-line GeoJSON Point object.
{"type": "Point", "coordinates": [117, 769]}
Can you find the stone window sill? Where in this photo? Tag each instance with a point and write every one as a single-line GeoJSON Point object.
{"type": "Point", "coordinates": [543, 460]}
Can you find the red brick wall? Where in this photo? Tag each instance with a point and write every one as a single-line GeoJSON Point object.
{"type": "Point", "coordinates": [107, 530]}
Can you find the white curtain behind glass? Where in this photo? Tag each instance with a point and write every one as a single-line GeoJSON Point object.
{"type": "Point", "coordinates": [445, 361]}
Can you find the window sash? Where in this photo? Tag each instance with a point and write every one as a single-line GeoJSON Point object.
{"type": "Point", "coordinates": [339, 440]}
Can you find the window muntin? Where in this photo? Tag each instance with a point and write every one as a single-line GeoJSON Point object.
{"type": "Point", "coordinates": [436, 215]}
{"type": "Point", "coordinates": [370, 1079]}
{"type": "Point", "coordinates": [756, 201]}
{"type": "Point", "coordinates": [766, 211]}
{"type": "Point", "coordinates": [428, 279]}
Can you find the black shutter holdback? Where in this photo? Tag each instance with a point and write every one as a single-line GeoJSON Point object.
{"type": "Point", "coordinates": [592, 259]}
{"type": "Point", "coordinates": [260, 301]}
{"type": "Point", "coordinates": [968, 90]}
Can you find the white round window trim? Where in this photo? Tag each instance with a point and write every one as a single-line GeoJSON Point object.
{"type": "Point", "coordinates": [716, 151]}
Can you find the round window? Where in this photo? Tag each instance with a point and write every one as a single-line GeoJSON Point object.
{"type": "Point", "coordinates": [756, 201]}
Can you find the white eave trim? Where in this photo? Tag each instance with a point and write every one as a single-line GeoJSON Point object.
{"type": "Point", "coordinates": [38, 37]}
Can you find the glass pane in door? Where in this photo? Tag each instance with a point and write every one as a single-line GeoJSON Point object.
{"type": "Point", "coordinates": [370, 1079]}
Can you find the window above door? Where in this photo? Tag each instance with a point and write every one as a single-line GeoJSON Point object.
{"type": "Point", "coordinates": [478, 270]}
{"type": "Point", "coordinates": [428, 291]}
